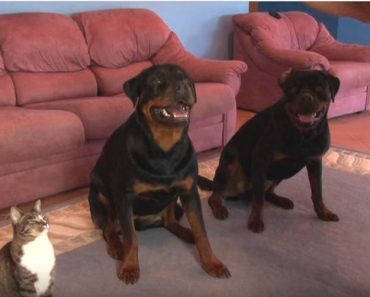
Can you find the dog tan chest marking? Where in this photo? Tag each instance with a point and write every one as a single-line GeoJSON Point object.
{"type": "Point", "coordinates": [184, 185]}
{"type": "Point", "coordinates": [166, 138]}
{"type": "Point", "coordinates": [279, 156]}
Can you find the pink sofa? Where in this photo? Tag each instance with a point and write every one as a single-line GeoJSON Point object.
{"type": "Point", "coordinates": [61, 93]}
{"type": "Point", "coordinates": [270, 46]}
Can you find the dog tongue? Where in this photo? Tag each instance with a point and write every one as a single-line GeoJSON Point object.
{"type": "Point", "coordinates": [306, 118]}
{"type": "Point", "coordinates": [178, 112]}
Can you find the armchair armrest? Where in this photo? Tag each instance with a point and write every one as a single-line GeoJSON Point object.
{"type": "Point", "coordinates": [326, 45]}
{"type": "Point", "coordinates": [201, 70]}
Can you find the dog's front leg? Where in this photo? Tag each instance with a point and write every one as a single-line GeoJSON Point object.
{"type": "Point", "coordinates": [210, 263]}
{"type": "Point", "coordinates": [314, 170]}
{"type": "Point", "coordinates": [128, 270]}
{"type": "Point", "coordinates": [258, 179]}
{"type": "Point", "coordinates": [255, 220]}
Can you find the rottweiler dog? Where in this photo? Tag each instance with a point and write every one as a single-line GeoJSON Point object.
{"type": "Point", "coordinates": [276, 144]}
{"type": "Point", "coordinates": [145, 166]}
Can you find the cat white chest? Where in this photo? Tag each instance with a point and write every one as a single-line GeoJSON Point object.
{"type": "Point", "coordinates": [39, 258]}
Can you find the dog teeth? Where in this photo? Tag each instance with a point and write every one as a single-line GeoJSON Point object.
{"type": "Point", "coordinates": [165, 113]}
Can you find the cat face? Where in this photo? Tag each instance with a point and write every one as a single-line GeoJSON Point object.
{"type": "Point", "coordinates": [31, 224]}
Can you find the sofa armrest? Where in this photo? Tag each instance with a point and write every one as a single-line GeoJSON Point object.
{"type": "Point", "coordinates": [332, 49]}
{"type": "Point", "coordinates": [199, 69]}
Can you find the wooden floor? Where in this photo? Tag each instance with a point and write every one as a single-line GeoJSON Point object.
{"type": "Point", "coordinates": [352, 132]}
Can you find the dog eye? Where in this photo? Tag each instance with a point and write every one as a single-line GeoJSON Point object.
{"type": "Point", "coordinates": [154, 81]}
{"type": "Point", "coordinates": [293, 90]}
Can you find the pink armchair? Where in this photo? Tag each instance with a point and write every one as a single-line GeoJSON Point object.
{"type": "Point", "coordinates": [270, 45]}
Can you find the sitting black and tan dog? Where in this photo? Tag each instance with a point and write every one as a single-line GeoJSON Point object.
{"type": "Point", "coordinates": [276, 144]}
{"type": "Point", "coordinates": [145, 166]}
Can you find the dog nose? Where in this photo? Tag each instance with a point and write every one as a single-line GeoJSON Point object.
{"type": "Point", "coordinates": [306, 98]}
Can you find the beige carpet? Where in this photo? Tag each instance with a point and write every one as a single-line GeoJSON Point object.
{"type": "Point", "coordinates": [71, 227]}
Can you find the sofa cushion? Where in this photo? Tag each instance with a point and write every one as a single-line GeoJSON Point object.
{"type": "Point", "coordinates": [352, 75]}
{"type": "Point", "coordinates": [110, 80]}
{"type": "Point", "coordinates": [34, 87]}
{"type": "Point", "coordinates": [28, 134]}
{"type": "Point", "coordinates": [7, 92]}
{"type": "Point", "coordinates": [117, 38]}
{"type": "Point", "coordinates": [100, 115]}
{"type": "Point", "coordinates": [42, 42]}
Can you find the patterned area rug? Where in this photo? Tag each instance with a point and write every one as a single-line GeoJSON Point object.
{"type": "Point", "coordinates": [71, 226]}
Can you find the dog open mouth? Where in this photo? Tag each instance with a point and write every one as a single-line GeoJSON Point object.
{"type": "Point", "coordinates": [308, 118]}
{"type": "Point", "coordinates": [179, 113]}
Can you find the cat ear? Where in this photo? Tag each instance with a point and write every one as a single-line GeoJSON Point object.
{"type": "Point", "coordinates": [37, 206]}
{"type": "Point", "coordinates": [15, 214]}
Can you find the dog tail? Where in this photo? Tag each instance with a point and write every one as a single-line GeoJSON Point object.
{"type": "Point", "coordinates": [205, 183]}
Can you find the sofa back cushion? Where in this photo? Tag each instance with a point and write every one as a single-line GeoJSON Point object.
{"type": "Point", "coordinates": [117, 38]}
{"type": "Point", "coordinates": [110, 80]}
{"type": "Point", "coordinates": [294, 30]}
{"type": "Point", "coordinates": [46, 56]}
{"type": "Point", "coordinates": [7, 93]}
{"type": "Point", "coordinates": [33, 87]}
{"type": "Point", "coordinates": [42, 42]}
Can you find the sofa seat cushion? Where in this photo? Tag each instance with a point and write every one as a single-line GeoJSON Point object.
{"type": "Point", "coordinates": [100, 115]}
{"type": "Point", "coordinates": [213, 101]}
{"type": "Point", "coordinates": [29, 134]}
{"type": "Point", "coordinates": [352, 75]}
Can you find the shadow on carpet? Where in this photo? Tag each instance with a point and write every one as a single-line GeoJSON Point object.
{"type": "Point", "coordinates": [297, 255]}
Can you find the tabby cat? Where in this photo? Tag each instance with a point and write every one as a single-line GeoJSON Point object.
{"type": "Point", "coordinates": [27, 263]}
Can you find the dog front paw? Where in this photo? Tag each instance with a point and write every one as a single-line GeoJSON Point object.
{"type": "Point", "coordinates": [219, 211]}
{"type": "Point", "coordinates": [129, 274]}
{"type": "Point", "coordinates": [256, 225]}
{"type": "Point", "coordinates": [216, 269]}
{"type": "Point", "coordinates": [328, 216]}
{"type": "Point", "coordinates": [325, 214]}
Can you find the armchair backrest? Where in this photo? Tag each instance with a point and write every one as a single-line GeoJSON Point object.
{"type": "Point", "coordinates": [294, 30]}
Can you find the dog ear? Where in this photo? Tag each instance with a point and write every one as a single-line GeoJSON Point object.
{"type": "Point", "coordinates": [284, 77]}
{"type": "Point", "coordinates": [193, 90]}
{"type": "Point", "coordinates": [132, 89]}
{"type": "Point", "coordinates": [334, 84]}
